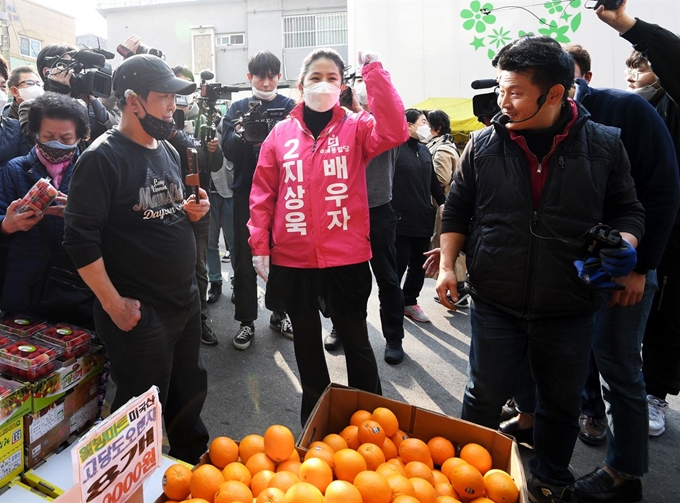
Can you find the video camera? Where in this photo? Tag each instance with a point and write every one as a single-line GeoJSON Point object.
{"type": "Point", "coordinates": [91, 73]}
{"type": "Point", "coordinates": [213, 92]}
{"type": "Point", "coordinates": [485, 106]}
{"type": "Point", "coordinates": [257, 124]}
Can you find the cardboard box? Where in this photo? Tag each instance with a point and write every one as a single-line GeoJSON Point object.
{"type": "Point", "coordinates": [19, 492]}
{"type": "Point", "coordinates": [17, 400]}
{"type": "Point", "coordinates": [337, 404]}
{"type": "Point", "coordinates": [49, 428]}
{"type": "Point", "coordinates": [51, 388]}
{"type": "Point", "coordinates": [11, 450]}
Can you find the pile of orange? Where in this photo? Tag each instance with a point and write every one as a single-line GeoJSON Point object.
{"type": "Point", "coordinates": [370, 461]}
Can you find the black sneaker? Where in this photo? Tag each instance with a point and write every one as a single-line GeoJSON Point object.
{"type": "Point", "coordinates": [463, 301]}
{"type": "Point", "coordinates": [244, 337]}
{"type": "Point", "coordinates": [227, 257]}
{"type": "Point", "coordinates": [332, 341]}
{"type": "Point", "coordinates": [281, 323]}
{"type": "Point", "coordinates": [540, 492]}
{"type": "Point", "coordinates": [214, 292]}
{"type": "Point", "coordinates": [208, 337]}
{"type": "Point", "coordinates": [394, 352]}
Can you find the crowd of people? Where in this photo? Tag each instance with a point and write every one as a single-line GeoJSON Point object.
{"type": "Point", "coordinates": [556, 226]}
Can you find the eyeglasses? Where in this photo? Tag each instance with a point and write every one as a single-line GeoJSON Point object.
{"type": "Point", "coordinates": [634, 74]}
{"type": "Point", "coordinates": [30, 83]}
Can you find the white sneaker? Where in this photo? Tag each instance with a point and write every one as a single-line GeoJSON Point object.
{"type": "Point", "coordinates": [416, 312]}
{"type": "Point", "coordinates": [657, 415]}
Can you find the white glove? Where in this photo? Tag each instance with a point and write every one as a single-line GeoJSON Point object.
{"type": "Point", "coordinates": [261, 266]}
{"type": "Point", "coordinates": [366, 57]}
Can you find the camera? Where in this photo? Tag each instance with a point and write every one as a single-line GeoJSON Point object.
{"type": "Point", "coordinates": [213, 92]}
{"type": "Point", "coordinates": [91, 73]}
{"type": "Point", "coordinates": [485, 106]}
{"type": "Point", "coordinates": [141, 49]}
{"type": "Point", "coordinates": [599, 237]}
{"type": "Point", "coordinates": [608, 4]}
{"type": "Point", "coordinates": [257, 124]}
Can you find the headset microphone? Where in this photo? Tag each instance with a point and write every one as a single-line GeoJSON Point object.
{"type": "Point", "coordinates": [505, 119]}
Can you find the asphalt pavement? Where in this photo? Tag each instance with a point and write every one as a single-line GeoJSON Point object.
{"type": "Point", "coordinates": [252, 389]}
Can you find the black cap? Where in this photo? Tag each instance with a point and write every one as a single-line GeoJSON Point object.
{"type": "Point", "coordinates": [151, 73]}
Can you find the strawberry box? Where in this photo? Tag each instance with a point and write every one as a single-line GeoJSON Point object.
{"type": "Point", "coordinates": [28, 359]}
{"type": "Point", "coordinates": [15, 399]}
{"type": "Point", "coordinates": [73, 340]}
{"type": "Point", "coordinates": [6, 338]}
{"type": "Point", "coordinates": [22, 325]}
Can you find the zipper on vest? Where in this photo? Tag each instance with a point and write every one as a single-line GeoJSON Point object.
{"type": "Point", "coordinates": [539, 169]}
{"type": "Point", "coordinates": [535, 220]}
{"type": "Point", "coordinates": [561, 161]}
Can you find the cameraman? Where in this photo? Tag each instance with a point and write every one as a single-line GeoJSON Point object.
{"type": "Point", "coordinates": [59, 81]}
{"type": "Point", "coordinates": [209, 160]}
{"type": "Point", "coordinates": [263, 73]}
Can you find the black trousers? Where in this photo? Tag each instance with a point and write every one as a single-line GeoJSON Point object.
{"type": "Point", "coordinates": [661, 344]}
{"type": "Point", "coordinates": [410, 260]}
{"type": "Point", "coordinates": [343, 293]}
{"type": "Point", "coordinates": [201, 233]}
{"type": "Point", "coordinates": [245, 278]}
{"type": "Point", "coordinates": [384, 266]}
{"type": "Point", "coordinates": [162, 350]}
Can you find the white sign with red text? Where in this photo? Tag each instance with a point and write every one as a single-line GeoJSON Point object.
{"type": "Point", "coordinates": [112, 461]}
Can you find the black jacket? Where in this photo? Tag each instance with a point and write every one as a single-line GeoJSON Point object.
{"type": "Point", "coordinates": [415, 184]}
{"type": "Point", "coordinates": [662, 48]}
{"type": "Point", "coordinates": [519, 259]}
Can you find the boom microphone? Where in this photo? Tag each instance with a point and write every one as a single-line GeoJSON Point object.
{"type": "Point", "coordinates": [207, 75]}
{"type": "Point", "coordinates": [483, 83]}
{"type": "Point", "coordinates": [505, 119]}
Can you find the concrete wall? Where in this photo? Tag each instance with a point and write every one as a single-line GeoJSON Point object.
{"type": "Point", "coordinates": [430, 53]}
{"type": "Point", "coordinates": [169, 27]}
{"type": "Point", "coordinates": [38, 22]}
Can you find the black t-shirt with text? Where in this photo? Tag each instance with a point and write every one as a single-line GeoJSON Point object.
{"type": "Point", "coordinates": [126, 205]}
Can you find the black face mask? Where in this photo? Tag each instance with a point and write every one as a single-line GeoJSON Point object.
{"type": "Point", "coordinates": [155, 127]}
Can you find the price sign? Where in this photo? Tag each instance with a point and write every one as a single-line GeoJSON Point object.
{"type": "Point", "coordinates": [112, 461]}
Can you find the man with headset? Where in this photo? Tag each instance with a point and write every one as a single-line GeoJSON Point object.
{"type": "Point", "coordinates": [527, 189]}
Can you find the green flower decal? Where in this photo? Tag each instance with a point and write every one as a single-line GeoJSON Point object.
{"type": "Point", "coordinates": [476, 18]}
{"type": "Point", "coordinates": [558, 33]}
{"type": "Point", "coordinates": [554, 7]}
{"type": "Point", "coordinates": [499, 38]}
{"type": "Point", "coordinates": [559, 20]}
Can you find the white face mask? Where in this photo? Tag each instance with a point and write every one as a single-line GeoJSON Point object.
{"type": "Point", "coordinates": [424, 132]}
{"type": "Point", "coordinates": [263, 95]}
{"type": "Point", "coordinates": [31, 93]}
{"type": "Point", "coordinates": [360, 90]}
{"type": "Point", "coordinates": [322, 96]}
{"type": "Point", "coordinates": [647, 92]}
{"type": "Point", "coordinates": [3, 99]}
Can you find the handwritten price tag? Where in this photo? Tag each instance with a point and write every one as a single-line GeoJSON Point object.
{"type": "Point", "coordinates": [112, 461]}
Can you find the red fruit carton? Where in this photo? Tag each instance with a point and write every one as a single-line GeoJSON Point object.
{"type": "Point", "coordinates": [22, 325]}
{"type": "Point", "coordinates": [6, 338]}
{"type": "Point", "coordinates": [39, 197]}
{"type": "Point", "coordinates": [28, 359]}
{"type": "Point", "coordinates": [15, 399]}
{"type": "Point", "coordinates": [75, 341]}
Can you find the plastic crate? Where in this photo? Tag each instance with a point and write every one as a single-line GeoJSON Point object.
{"type": "Point", "coordinates": [73, 340]}
{"type": "Point", "coordinates": [22, 325]}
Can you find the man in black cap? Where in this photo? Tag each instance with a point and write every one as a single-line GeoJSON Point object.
{"type": "Point", "coordinates": [129, 233]}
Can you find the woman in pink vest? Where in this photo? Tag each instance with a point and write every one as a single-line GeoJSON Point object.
{"type": "Point", "coordinates": [309, 213]}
